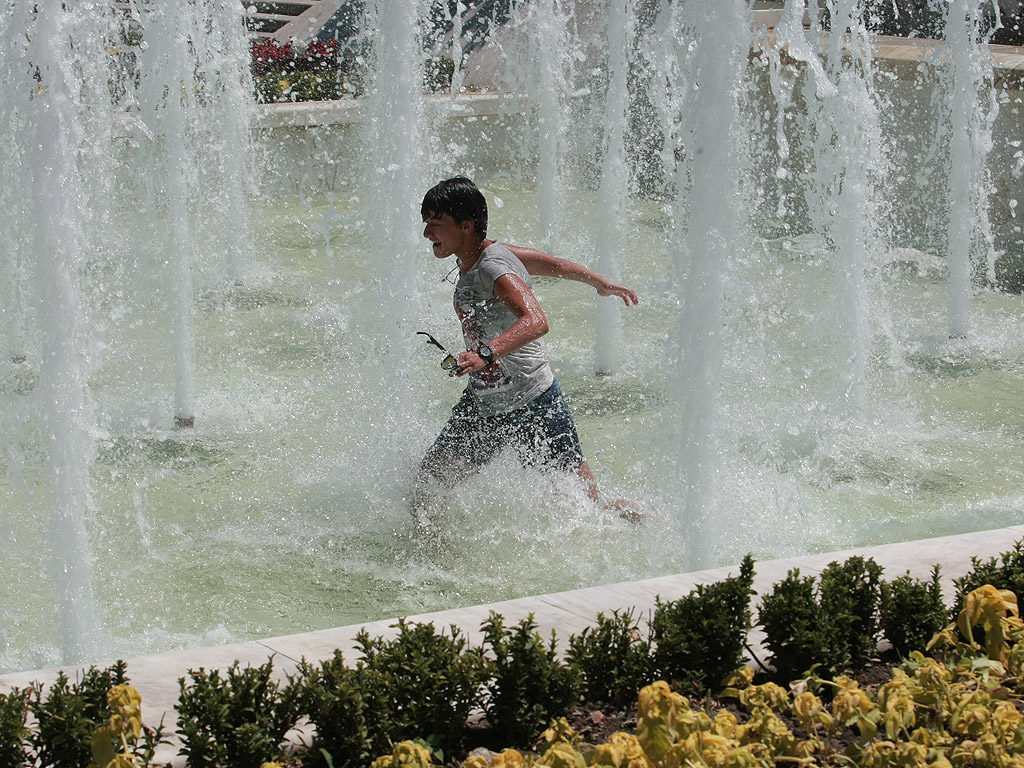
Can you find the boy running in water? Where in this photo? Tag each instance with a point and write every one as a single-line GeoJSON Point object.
{"type": "Point", "coordinates": [512, 397]}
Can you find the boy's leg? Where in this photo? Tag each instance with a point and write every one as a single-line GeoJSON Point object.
{"type": "Point", "coordinates": [560, 447]}
{"type": "Point", "coordinates": [587, 476]}
{"type": "Point", "coordinates": [556, 440]}
{"type": "Point", "coordinates": [437, 473]}
{"type": "Point", "coordinates": [463, 445]}
{"type": "Point", "coordinates": [627, 509]}
{"type": "Point", "coordinates": [438, 469]}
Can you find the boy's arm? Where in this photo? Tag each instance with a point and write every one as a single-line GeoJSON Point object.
{"type": "Point", "coordinates": [530, 323]}
{"type": "Point", "coordinates": [545, 265]}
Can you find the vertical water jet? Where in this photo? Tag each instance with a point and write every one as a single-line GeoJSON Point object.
{"type": "Point", "coordinates": [612, 198]}
{"type": "Point", "coordinates": [64, 43]}
{"type": "Point", "coordinates": [395, 180]}
{"type": "Point", "coordinates": [458, 58]}
{"type": "Point", "coordinates": [970, 110]}
{"type": "Point", "coordinates": [194, 101]}
{"type": "Point", "coordinates": [551, 51]}
{"type": "Point", "coordinates": [848, 155]}
{"type": "Point", "coordinates": [714, 41]}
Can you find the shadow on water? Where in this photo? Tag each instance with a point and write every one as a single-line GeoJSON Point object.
{"type": "Point", "coordinates": [159, 453]}
{"type": "Point", "coordinates": [953, 365]}
{"type": "Point", "coordinates": [245, 298]}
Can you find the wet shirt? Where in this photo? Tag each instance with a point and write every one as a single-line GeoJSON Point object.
{"type": "Point", "coordinates": [515, 379]}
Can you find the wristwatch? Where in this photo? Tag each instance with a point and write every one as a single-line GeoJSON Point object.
{"type": "Point", "coordinates": [486, 353]}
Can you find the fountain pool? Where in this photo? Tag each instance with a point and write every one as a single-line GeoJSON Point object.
{"type": "Point", "coordinates": [832, 417]}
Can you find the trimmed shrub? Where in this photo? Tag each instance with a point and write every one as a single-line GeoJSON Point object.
{"type": "Point", "coordinates": [612, 659]}
{"type": "Point", "coordinates": [912, 611]}
{"type": "Point", "coordinates": [1006, 573]}
{"type": "Point", "coordinates": [850, 595]}
{"type": "Point", "coordinates": [236, 720]}
{"type": "Point", "coordinates": [528, 685]}
{"type": "Point", "coordinates": [428, 684]}
{"type": "Point", "coordinates": [798, 634]}
{"type": "Point", "coordinates": [14, 733]}
{"type": "Point", "coordinates": [335, 699]}
{"type": "Point", "coordinates": [699, 639]}
{"type": "Point", "coordinates": [831, 628]}
{"type": "Point", "coordinates": [70, 713]}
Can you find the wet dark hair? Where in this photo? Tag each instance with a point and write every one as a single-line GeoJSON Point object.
{"type": "Point", "coordinates": [459, 198]}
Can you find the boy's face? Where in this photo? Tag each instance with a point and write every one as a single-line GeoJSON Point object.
{"type": "Point", "coordinates": [448, 236]}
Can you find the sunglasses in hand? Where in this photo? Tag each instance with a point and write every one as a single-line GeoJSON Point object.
{"type": "Point", "coordinates": [450, 362]}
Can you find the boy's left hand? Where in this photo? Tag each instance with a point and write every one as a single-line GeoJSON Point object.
{"type": "Point", "coordinates": [470, 361]}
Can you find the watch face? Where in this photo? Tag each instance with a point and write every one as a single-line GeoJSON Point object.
{"type": "Point", "coordinates": [486, 353]}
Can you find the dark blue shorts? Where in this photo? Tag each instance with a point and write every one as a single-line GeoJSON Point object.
{"type": "Point", "coordinates": [542, 432]}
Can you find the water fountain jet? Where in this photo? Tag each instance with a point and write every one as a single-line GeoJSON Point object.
{"type": "Point", "coordinates": [971, 109]}
{"type": "Point", "coordinates": [612, 204]}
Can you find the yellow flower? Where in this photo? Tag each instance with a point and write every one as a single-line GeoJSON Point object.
{"type": "Point", "coordinates": [743, 676]}
{"type": "Point", "coordinates": [904, 754]}
{"type": "Point", "coordinates": [476, 761]}
{"type": "Point", "coordinates": [126, 703]}
{"type": "Point", "coordinates": [607, 756]}
{"type": "Point", "coordinates": [659, 711]}
{"type": "Point", "coordinates": [878, 754]}
{"type": "Point", "coordinates": [853, 706]}
{"type": "Point", "coordinates": [409, 754]}
{"type": "Point", "coordinates": [994, 609]}
{"type": "Point", "coordinates": [767, 733]}
{"type": "Point", "coordinates": [850, 701]}
{"type": "Point", "coordinates": [725, 724]}
{"type": "Point", "coordinates": [509, 758]}
{"type": "Point", "coordinates": [928, 672]}
{"type": "Point", "coordinates": [912, 754]}
{"type": "Point", "coordinates": [708, 749]}
{"type": "Point", "coordinates": [1007, 722]}
{"type": "Point", "coordinates": [810, 711]}
{"type": "Point", "coordinates": [769, 695]}
{"type": "Point", "coordinates": [805, 750]}
{"type": "Point", "coordinates": [406, 754]}
{"type": "Point", "coordinates": [896, 701]}
{"type": "Point", "coordinates": [562, 755]}
{"type": "Point", "coordinates": [1015, 657]}
{"type": "Point", "coordinates": [972, 717]}
{"type": "Point", "coordinates": [657, 701]}
{"type": "Point", "coordinates": [560, 730]}
{"type": "Point", "coordinates": [622, 750]}
{"type": "Point", "coordinates": [938, 759]}
{"type": "Point", "coordinates": [691, 721]}
{"type": "Point", "coordinates": [981, 752]}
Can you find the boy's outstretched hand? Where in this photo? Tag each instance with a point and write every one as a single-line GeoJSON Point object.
{"type": "Point", "coordinates": [628, 295]}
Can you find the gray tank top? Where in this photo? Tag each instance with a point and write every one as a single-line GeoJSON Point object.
{"type": "Point", "coordinates": [515, 379]}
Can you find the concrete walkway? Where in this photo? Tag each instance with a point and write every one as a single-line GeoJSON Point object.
{"type": "Point", "coordinates": [568, 613]}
